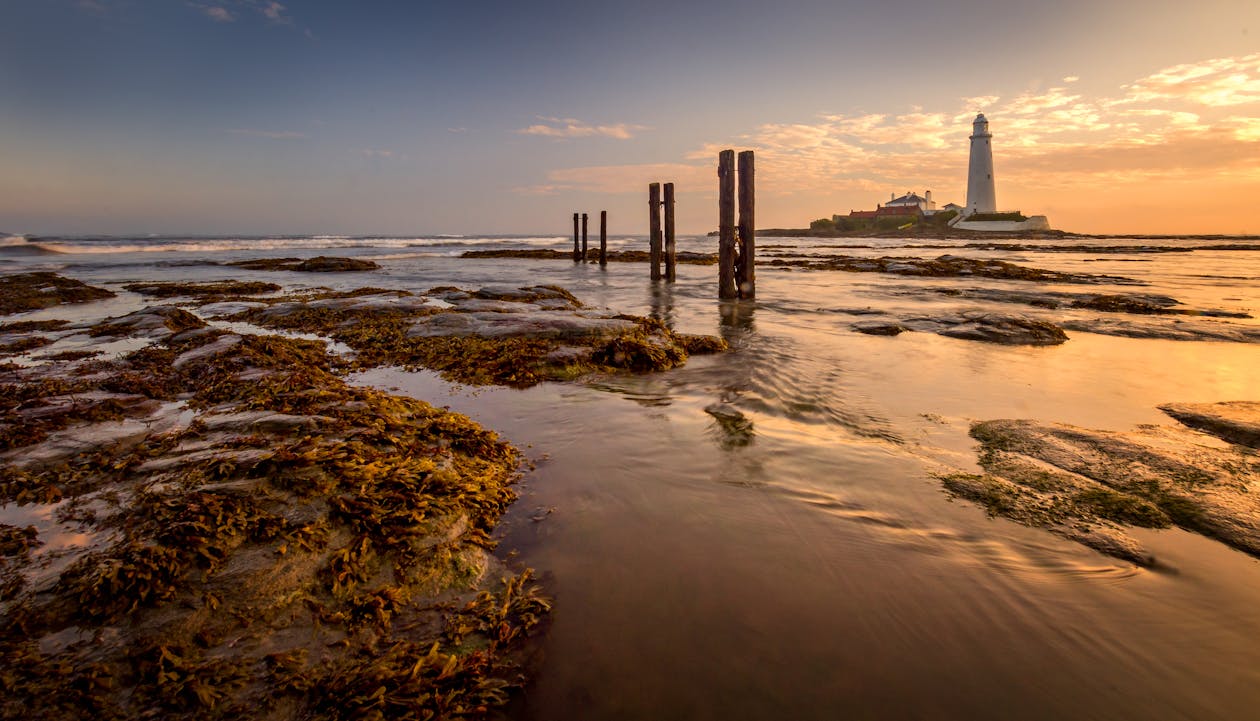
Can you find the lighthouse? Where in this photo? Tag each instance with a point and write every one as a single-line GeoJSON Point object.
{"type": "Point", "coordinates": [980, 195]}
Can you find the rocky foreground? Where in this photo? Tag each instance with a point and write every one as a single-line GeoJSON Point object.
{"type": "Point", "coordinates": [216, 525]}
{"type": "Point", "coordinates": [1090, 486]}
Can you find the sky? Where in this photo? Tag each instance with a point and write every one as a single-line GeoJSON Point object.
{"type": "Point", "coordinates": [413, 117]}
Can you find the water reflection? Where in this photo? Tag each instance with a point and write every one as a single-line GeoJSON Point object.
{"type": "Point", "coordinates": [661, 302]}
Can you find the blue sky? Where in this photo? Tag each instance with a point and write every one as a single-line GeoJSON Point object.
{"type": "Point", "coordinates": [256, 116]}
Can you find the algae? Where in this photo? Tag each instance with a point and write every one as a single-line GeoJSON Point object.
{"type": "Point", "coordinates": [32, 291]}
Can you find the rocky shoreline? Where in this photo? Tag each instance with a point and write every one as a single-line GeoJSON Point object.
{"type": "Point", "coordinates": [216, 525]}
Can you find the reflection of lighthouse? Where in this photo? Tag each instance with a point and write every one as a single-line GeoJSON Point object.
{"type": "Point", "coordinates": [980, 195]}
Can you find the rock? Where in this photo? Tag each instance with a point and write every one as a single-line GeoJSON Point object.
{"type": "Point", "coordinates": [536, 324]}
{"type": "Point", "coordinates": [1089, 485]}
{"type": "Point", "coordinates": [155, 322]}
{"type": "Point", "coordinates": [22, 292]}
{"type": "Point", "coordinates": [990, 328]}
{"type": "Point", "coordinates": [1168, 329]}
{"type": "Point", "coordinates": [1007, 330]}
{"type": "Point", "coordinates": [879, 327]}
{"type": "Point", "coordinates": [318, 264]}
{"type": "Point", "coordinates": [1232, 421]}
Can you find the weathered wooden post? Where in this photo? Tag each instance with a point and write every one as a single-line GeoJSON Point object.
{"type": "Point", "coordinates": [726, 225]}
{"type": "Point", "coordinates": [575, 238]}
{"type": "Point", "coordinates": [654, 228]}
{"type": "Point", "coordinates": [584, 236]}
{"type": "Point", "coordinates": [603, 237]}
{"type": "Point", "coordinates": [746, 274]}
{"type": "Point", "coordinates": [670, 245]}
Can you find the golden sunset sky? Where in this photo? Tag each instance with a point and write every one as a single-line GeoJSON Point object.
{"type": "Point", "coordinates": [255, 116]}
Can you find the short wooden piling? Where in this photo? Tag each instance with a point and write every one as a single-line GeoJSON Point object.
{"type": "Point", "coordinates": [726, 225]}
{"type": "Point", "coordinates": [670, 246]}
{"type": "Point", "coordinates": [584, 237]}
{"type": "Point", "coordinates": [746, 273]}
{"type": "Point", "coordinates": [654, 228]}
{"type": "Point", "coordinates": [603, 237]}
{"type": "Point", "coordinates": [576, 259]}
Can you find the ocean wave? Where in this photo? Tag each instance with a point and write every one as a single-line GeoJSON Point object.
{"type": "Point", "coordinates": [22, 245]}
{"type": "Point", "coordinates": [109, 245]}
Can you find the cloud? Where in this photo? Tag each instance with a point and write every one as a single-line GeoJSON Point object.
{"type": "Point", "coordinates": [92, 6]}
{"type": "Point", "coordinates": [631, 178]}
{"type": "Point", "coordinates": [460, 129]}
{"type": "Point", "coordinates": [274, 12]}
{"type": "Point", "coordinates": [1174, 131]}
{"type": "Point", "coordinates": [1219, 82]}
{"type": "Point", "coordinates": [219, 14]}
{"type": "Point", "coordinates": [573, 128]}
{"type": "Point", "coordinates": [377, 153]}
{"type": "Point", "coordinates": [273, 134]}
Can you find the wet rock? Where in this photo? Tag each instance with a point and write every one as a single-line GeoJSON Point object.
{"type": "Point", "coordinates": [535, 324]}
{"type": "Point", "coordinates": [948, 266]}
{"type": "Point", "coordinates": [1139, 303]}
{"type": "Point", "coordinates": [154, 322]}
{"type": "Point", "coordinates": [1167, 329]}
{"type": "Point", "coordinates": [879, 327]}
{"type": "Point", "coordinates": [22, 292]}
{"type": "Point", "coordinates": [318, 264]}
{"type": "Point", "coordinates": [1089, 485]}
{"type": "Point", "coordinates": [991, 328]}
{"type": "Point", "coordinates": [1232, 421]}
{"type": "Point", "coordinates": [732, 428]}
{"type": "Point", "coordinates": [202, 290]}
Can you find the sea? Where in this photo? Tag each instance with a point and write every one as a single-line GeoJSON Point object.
{"type": "Point", "coordinates": [763, 534]}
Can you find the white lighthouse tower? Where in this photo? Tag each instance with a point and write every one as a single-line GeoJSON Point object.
{"type": "Point", "coordinates": [980, 195]}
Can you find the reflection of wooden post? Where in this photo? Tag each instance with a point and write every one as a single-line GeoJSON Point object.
{"type": "Point", "coordinates": [575, 238]}
{"type": "Point", "coordinates": [726, 225]}
{"type": "Point", "coordinates": [745, 275]}
{"type": "Point", "coordinates": [654, 227]}
{"type": "Point", "coordinates": [603, 237]}
{"type": "Point", "coordinates": [584, 236]}
{"type": "Point", "coordinates": [670, 247]}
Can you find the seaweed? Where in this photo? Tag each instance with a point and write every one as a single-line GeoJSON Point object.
{"type": "Point", "coordinates": [318, 264]}
{"type": "Point", "coordinates": [205, 290]}
{"type": "Point", "coordinates": [21, 292]}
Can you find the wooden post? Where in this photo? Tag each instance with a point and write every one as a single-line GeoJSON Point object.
{"type": "Point", "coordinates": [603, 237]}
{"type": "Point", "coordinates": [746, 274]}
{"type": "Point", "coordinates": [575, 238]}
{"type": "Point", "coordinates": [726, 225]}
{"type": "Point", "coordinates": [670, 246]}
{"type": "Point", "coordinates": [654, 228]}
{"type": "Point", "coordinates": [583, 237]}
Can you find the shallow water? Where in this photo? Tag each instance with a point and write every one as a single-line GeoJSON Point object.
{"type": "Point", "coordinates": [789, 553]}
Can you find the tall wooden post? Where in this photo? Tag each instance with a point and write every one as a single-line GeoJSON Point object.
{"type": "Point", "coordinates": [654, 228]}
{"type": "Point", "coordinates": [726, 225]}
{"type": "Point", "coordinates": [746, 274]}
{"type": "Point", "coordinates": [584, 236]}
{"type": "Point", "coordinates": [575, 238]}
{"type": "Point", "coordinates": [670, 246]}
{"type": "Point", "coordinates": [603, 237]}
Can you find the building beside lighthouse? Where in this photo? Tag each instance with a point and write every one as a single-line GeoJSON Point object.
{"type": "Point", "coordinates": [981, 211]}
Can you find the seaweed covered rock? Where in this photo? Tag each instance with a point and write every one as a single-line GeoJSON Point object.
{"type": "Point", "coordinates": [1088, 485]}
{"type": "Point", "coordinates": [318, 264]}
{"type": "Point", "coordinates": [21, 292]}
{"type": "Point", "coordinates": [208, 290]}
{"type": "Point", "coordinates": [947, 266]}
{"type": "Point", "coordinates": [1232, 421]}
{"type": "Point", "coordinates": [284, 546]}
{"type": "Point", "coordinates": [523, 337]}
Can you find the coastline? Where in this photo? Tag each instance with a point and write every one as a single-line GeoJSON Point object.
{"type": "Point", "coordinates": [663, 502]}
{"type": "Point", "coordinates": [262, 538]}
